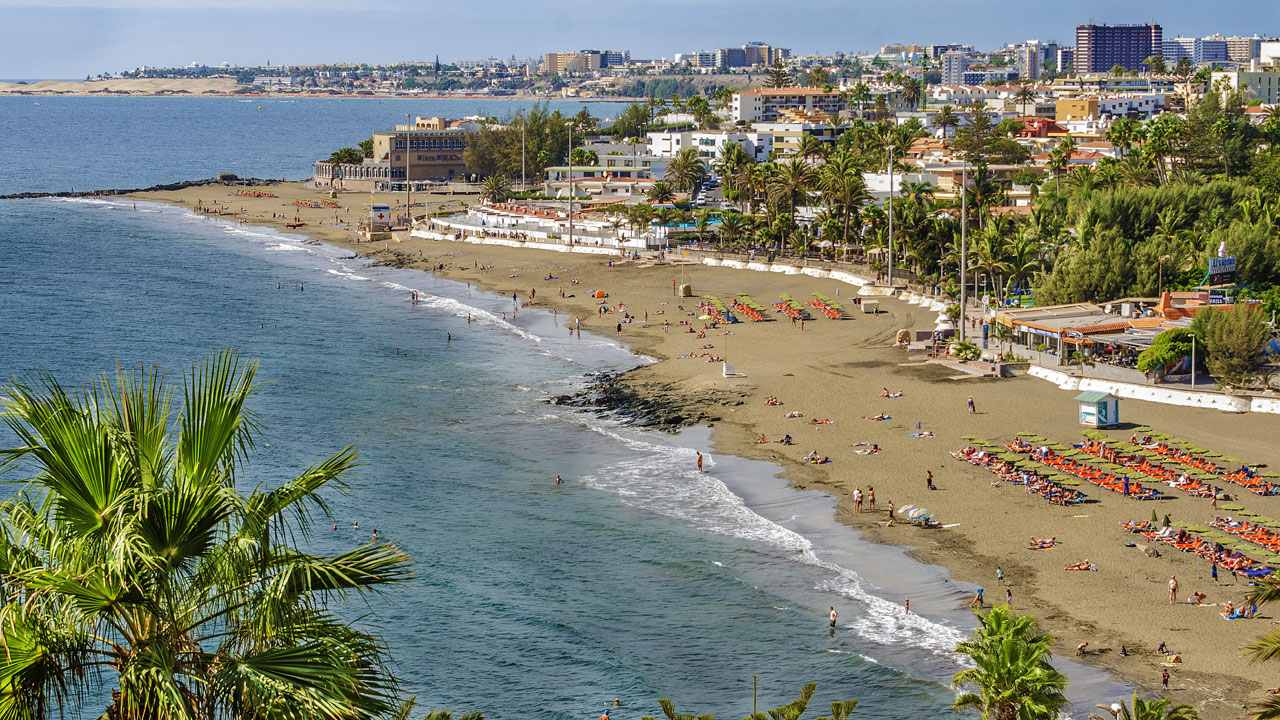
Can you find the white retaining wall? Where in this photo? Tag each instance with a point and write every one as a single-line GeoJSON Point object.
{"type": "Point", "coordinates": [507, 242]}
{"type": "Point", "coordinates": [1159, 393]}
{"type": "Point", "coordinates": [838, 275]}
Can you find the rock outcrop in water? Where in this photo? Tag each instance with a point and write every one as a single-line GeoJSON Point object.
{"type": "Point", "coordinates": [223, 179]}
{"type": "Point", "coordinates": [660, 405]}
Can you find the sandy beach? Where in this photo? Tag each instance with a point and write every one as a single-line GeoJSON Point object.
{"type": "Point", "coordinates": [835, 370]}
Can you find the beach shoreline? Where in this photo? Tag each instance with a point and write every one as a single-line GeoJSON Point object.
{"type": "Point", "coordinates": [835, 370]}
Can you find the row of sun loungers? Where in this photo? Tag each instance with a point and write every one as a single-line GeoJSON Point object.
{"type": "Point", "coordinates": [1098, 476]}
{"type": "Point", "coordinates": [1251, 531]}
{"type": "Point", "coordinates": [1007, 471]}
{"type": "Point", "coordinates": [1186, 541]}
{"type": "Point", "coordinates": [826, 306]}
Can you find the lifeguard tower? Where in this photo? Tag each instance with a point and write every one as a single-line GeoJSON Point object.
{"type": "Point", "coordinates": [1099, 409]}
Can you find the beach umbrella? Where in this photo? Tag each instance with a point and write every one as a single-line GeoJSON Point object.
{"type": "Point", "coordinates": [1231, 507]}
{"type": "Point", "coordinates": [917, 513]}
{"type": "Point", "coordinates": [968, 437]}
{"type": "Point", "coordinates": [905, 509]}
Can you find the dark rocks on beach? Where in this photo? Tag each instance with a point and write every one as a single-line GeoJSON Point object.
{"type": "Point", "coordinates": [660, 405]}
{"type": "Point", "coordinates": [223, 179]}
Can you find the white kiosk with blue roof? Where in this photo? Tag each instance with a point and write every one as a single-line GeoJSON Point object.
{"type": "Point", "coordinates": [1099, 409]}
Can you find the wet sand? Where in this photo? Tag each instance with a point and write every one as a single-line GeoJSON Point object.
{"type": "Point", "coordinates": [836, 370]}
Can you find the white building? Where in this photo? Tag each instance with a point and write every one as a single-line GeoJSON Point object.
{"type": "Point", "coordinates": [954, 65]}
{"type": "Point", "coordinates": [768, 103]}
{"type": "Point", "coordinates": [1260, 83]}
{"type": "Point", "coordinates": [709, 143]}
{"type": "Point", "coordinates": [1198, 50]}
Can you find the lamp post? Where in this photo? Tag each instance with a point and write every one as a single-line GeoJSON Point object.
{"type": "Point", "coordinates": [754, 682]}
{"type": "Point", "coordinates": [408, 200]}
{"type": "Point", "coordinates": [1193, 360]}
{"type": "Point", "coordinates": [891, 217]}
{"type": "Point", "coordinates": [570, 126]}
{"type": "Point", "coordinates": [524, 182]}
{"type": "Point", "coordinates": [964, 260]}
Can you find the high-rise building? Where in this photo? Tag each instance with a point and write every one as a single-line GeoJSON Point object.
{"type": "Point", "coordinates": [1198, 50]}
{"type": "Point", "coordinates": [954, 65]}
{"type": "Point", "coordinates": [1066, 58]}
{"type": "Point", "coordinates": [935, 52]}
{"type": "Point", "coordinates": [1030, 56]}
{"type": "Point", "coordinates": [1101, 47]}
{"type": "Point", "coordinates": [557, 63]}
{"type": "Point", "coordinates": [1240, 49]}
{"type": "Point", "coordinates": [754, 54]}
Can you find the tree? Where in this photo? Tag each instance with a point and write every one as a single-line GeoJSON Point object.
{"type": "Point", "coordinates": [817, 77]}
{"type": "Point", "coordinates": [1155, 64]}
{"type": "Point", "coordinates": [911, 90]}
{"type": "Point", "coordinates": [495, 189]}
{"type": "Point", "coordinates": [685, 170]}
{"type": "Point", "coordinates": [843, 190]}
{"type": "Point", "coordinates": [660, 193]}
{"type": "Point", "coordinates": [789, 185]}
{"type": "Point", "coordinates": [132, 554]}
{"type": "Point", "coordinates": [946, 118]}
{"type": "Point", "coordinates": [366, 146]}
{"type": "Point", "coordinates": [1012, 678]}
{"type": "Point", "coordinates": [1024, 97]}
{"type": "Point", "coordinates": [346, 156]}
{"type": "Point", "coordinates": [1233, 340]}
{"type": "Point", "coordinates": [632, 121]}
{"type": "Point", "coordinates": [1118, 70]}
{"type": "Point", "coordinates": [1142, 709]}
{"type": "Point", "coordinates": [1168, 348]}
{"type": "Point", "coordinates": [584, 157]}
{"type": "Point", "coordinates": [778, 76]}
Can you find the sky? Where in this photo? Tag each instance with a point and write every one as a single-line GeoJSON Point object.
{"type": "Point", "coordinates": [74, 38]}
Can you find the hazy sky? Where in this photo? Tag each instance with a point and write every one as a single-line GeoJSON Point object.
{"type": "Point", "coordinates": [70, 39]}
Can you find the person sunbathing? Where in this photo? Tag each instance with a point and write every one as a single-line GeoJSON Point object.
{"type": "Point", "coordinates": [884, 393]}
{"type": "Point", "coordinates": [786, 439]}
{"type": "Point", "coordinates": [868, 451]}
{"type": "Point", "coordinates": [795, 414]}
{"type": "Point", "coordinates": [1082, 565]}
{"type": "Point", "coordinates": [925, 434]}
{"type": "Point", "coordinates": [762, 440]}
{"type": "Point", "coordinates": [881, 417]}
{"type": "Point", "coordinates": [1042, 544]}
{"type": "Point", "coordinates": [894, 395]}
{"type": "Point", "coordinates": [823, 421]}
{"type": "Point", "coordinates": [1231, 610]}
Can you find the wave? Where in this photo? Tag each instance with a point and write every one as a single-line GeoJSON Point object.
{"type": "Point", "coordinates": [664, 479]}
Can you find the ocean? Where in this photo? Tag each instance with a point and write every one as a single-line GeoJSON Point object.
{"type": "Point", "coordinates": [639, 578]}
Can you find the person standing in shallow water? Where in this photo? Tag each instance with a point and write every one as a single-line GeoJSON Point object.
{"type": "Point", "coordinates": [699, 462]}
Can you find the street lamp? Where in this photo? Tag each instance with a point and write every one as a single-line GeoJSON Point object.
{"type": "Point", "coordinates": [890, 217]}
{"type": "Point", "coordinates": [408, 200]}
{"type": "Point", "coordinates": [570, 183]}
{"type": "Point", "coordinates": [1193, 360]}
{"type": "Point", "coordinates": [964, 223]}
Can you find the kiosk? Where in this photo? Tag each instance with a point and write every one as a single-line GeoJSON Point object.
{"type": "Point", "coordinates": [1099, 409]}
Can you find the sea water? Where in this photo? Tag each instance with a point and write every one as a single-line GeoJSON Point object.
{"type": "Point", "coordinates": [638, 578]}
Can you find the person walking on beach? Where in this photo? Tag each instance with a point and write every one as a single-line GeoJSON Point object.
{"type": "Point", "coordinates": [1173, 589]}
{"type": "Point", "coordinates": [977, 600]}
{"type": "Point", "coordinates": [972, 409]}
{"type": "Point", "coordinates": [906, 607]}
{"type": "Point", "coordinates": [834, 615]}
{"type": "Point", "coordinates": [999, 575]}
{"type": "Point", "coordinates": [1213, 572]}
{"type": "Point", "coordinates": [890, 509]}
{"type": "Point", "coordinates": [699, 462]}
{"type": "Point", "coordinates": [857, 500]}
{"type": "Point", "coordinates": [929, 479]}
{"type": "Point", "coordinates": [1164, 679]}
{"type": "Point", "coordinates": [1008, 597]}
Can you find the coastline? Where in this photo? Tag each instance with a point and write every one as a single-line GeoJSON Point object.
{"type": "Point", "coordinates": [228, 88]}
{"type": "Point", "coordinates": [852, 359]}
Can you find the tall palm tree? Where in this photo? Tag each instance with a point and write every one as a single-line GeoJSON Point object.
{"type": "Point", "coordinates": [946, 118]}
{"type": "Point", "coordinates": [495, 189]}
{"type": "Point", "coordinates": [1143, 709]}
{"type": "Point", "coordinates": [660, 193]}
{"type": "Point", "coordinates": [843, 190]}
{"type": "Point", "coordinates": [789, 185]}
{"type": "Point", "coordinates": [133, 556]}
{"type": "Point", "coordinates": [1025, 96]}
{"type": "Point", "coordinates": [811, 147]}
{"type": "Point", "coordinates": [1012, 678]}
{"type": "Point", "coordinates": [733, 227]}
{"type": "Point", "coordinates": [685, 170]}
{"type": "Point", "coordinates": [911, 90]}
{"type": "Point", "coordinates": [1057, 163]}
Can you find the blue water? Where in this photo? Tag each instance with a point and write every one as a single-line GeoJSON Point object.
{"type": "Point", "coordinates": [639, 578]}
{"type": "Point", "coordinates": [51, 144]}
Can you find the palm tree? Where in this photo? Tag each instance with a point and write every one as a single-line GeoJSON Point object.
{"type": "Point", "coordinates": [946, 118]}
{"type": "Point", "coordinates": [1012, 678]}
{"type": "Point", "coordinates": [733, 227]}
{"type": "Point", "coordinates": [843, 190]}
{"type": "Point", "coordinates": [789, 185]}
{"type": "Point", "coordinates": [1143, 709]}
{"type": "Point", "coordinates": [1025, 96]}
{"type": "Point", "coordinates": [495, 189]}
{"type": "Point", "coordinates": [685, 170]}
{"type": "Point", "coordinates": [660, 193]}
{"type": "Point", "coordinates": [861, 94]}
{"type": "Point", "coordinates": [132, 554]}
{"type": "Point", "coordinates": [1267, 647]}
{"type": "Point", "coordinates": [1057, 163]}
{"type": "Point", "coordinates": [911, 89]}
{"type": "Point", "coordinates": [811, 147]}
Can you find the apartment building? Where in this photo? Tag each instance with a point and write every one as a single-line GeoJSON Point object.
{"type": "Point", "coordinates": [559, 63]}
{"type": "Point", "coordinates": [1258, 82]}
{"type": "Point", "coordinates": [1066, 58]}
{"type": "Point", "coordinates": [1198, 50]}
{"type": "Point", "coordinates": [1098, 108]}
{"type": "Point", "coordinates": [710, 143]}
{"type": "Point", "coordinates": [954, 65]}
{"type": "Point", "coordinates": [768, 104]}
{"type": "Point", "coordinates": [1101, 47]}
